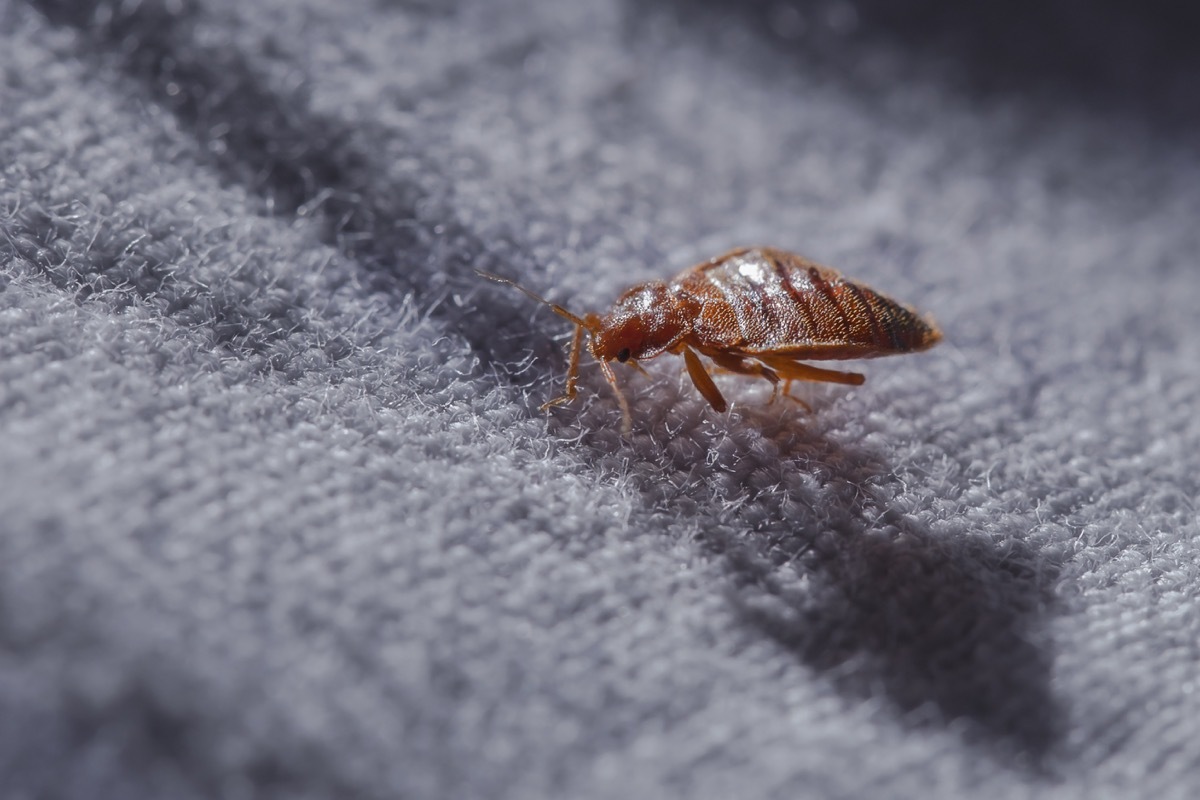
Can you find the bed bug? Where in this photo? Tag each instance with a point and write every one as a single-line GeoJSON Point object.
{"type": "Point", "coordinates": [753, 311]}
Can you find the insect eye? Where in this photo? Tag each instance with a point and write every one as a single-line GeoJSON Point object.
{"type": "Point", "coordinates": [623, 356]}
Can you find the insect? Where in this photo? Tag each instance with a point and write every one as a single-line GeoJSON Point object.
{"type": "Point", "coordinates": [753, 311]}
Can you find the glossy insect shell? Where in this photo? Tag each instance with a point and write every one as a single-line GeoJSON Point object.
{"type": "Point", "coordinates": [758, 301]}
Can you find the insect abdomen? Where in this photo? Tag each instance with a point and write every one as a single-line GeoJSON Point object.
{"type": "Point", "coordinates": [765, 300]}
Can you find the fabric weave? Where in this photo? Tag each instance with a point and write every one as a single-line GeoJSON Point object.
{"type": "Point", "coordinates": [279, 516]}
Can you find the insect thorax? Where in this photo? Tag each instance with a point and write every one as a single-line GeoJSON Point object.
{"type": "Point", "coordinates": [644, 322]}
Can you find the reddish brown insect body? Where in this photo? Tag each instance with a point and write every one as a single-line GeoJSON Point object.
{"type": "Point", "coordinates": [754, 311]}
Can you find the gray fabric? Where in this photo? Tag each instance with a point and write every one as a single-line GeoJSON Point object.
{"type": "Point", "coordinates": [279, 516]}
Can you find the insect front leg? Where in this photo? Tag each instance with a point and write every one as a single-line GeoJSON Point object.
{"type": "Point", "coordinates": [626, 417]}
{"type": "Point", "coordinates": [572, 373]}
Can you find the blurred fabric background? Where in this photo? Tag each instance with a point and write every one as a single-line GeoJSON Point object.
{"type": "Point", "coordinates": [279, 516]}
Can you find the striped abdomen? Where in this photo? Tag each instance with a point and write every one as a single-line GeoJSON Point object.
{"type": "Point", "coordinates": [762, 300]}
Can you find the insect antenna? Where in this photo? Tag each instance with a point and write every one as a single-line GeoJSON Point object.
{"type": "Point", "coordinates": [562, 312]}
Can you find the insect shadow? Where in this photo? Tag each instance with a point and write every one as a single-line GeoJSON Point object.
{"type": "Point", "coordinates": [948, 633]}
{"type": "Point", "coordinates": [946, 624]}
{"type": "Point", "coordinates": [949, 626]}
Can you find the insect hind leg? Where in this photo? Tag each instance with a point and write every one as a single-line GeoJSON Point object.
{"type": "Point", "coordinates": [791, 370]}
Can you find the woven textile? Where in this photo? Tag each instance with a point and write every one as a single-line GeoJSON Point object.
{"type": "Point", "coordinates": [279, 516]}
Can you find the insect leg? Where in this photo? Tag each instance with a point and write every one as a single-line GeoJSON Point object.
{"type": "Point", "coordinates": [744, 366]}
{"type": "Point", "coordinates": [626, 417]}
{"type": "Point", "coordinates": [703, 381]}
{"type": "Point", "coordinates": [790, 369]}
{"type": "Point", "coordinates": [572, 372]}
